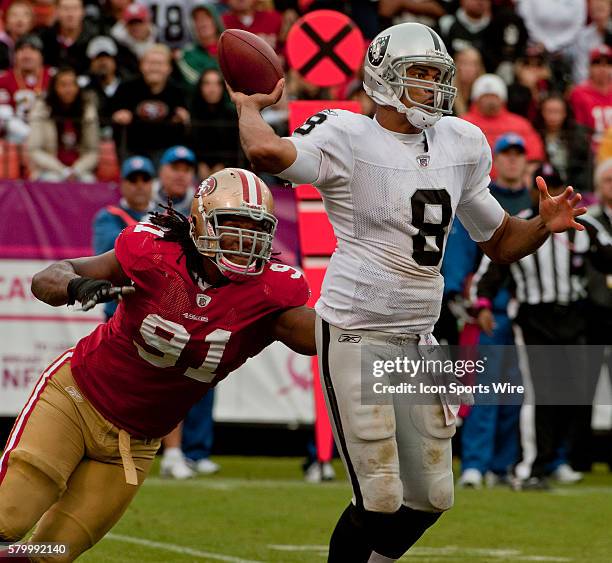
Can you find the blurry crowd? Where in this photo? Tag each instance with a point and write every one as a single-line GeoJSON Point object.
{"type": "Point", "coordinates": [86, 84]}
{"type": "Point", "coordinates": [99, 90]}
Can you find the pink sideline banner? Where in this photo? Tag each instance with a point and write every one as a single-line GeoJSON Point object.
{"type": "Point", "coordinates": [44, 222]}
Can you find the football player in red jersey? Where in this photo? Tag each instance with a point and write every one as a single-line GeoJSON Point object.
{"type": "Point", "coordinates": [199, 297]}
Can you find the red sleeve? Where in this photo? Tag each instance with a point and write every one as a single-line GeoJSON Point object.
{"type": "Point", "coordinates": [579, 109]}
{"type": "Point", "coordinates": [134, 247]}
{"type": "Point", "coordinates": [289, 286]}
{"type": "Point", "coordinates": [300, 294]}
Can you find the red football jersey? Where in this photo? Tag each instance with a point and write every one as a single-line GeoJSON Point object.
{"type": "Point", "coordinates": [593, 109]}
{"type": "Point", "coordinates": [22, 93]}
{"type": "Point", "coordinates": [172, 340]}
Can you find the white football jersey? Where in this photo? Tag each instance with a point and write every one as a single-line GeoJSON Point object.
{"type": "Point", "coordinates": [391, 199]}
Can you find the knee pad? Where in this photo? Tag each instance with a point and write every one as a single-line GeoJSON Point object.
{"type": "Point", "coordinates": [442, 492]}
{"type": "Point", "coordinates": [373, 453]}
{"type": "Point", "coordinates": [436, 455]}
{"type": "Point", "coordinates": [392, 535]}
{"type": "Point", "coordinates": [26, 493]}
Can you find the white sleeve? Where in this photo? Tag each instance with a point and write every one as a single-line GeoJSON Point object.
{"type": "Point", "coordinates": [324, 151]}
{"type": "Point", "coordinates": [480, 213]}
{"type": "Point", "coordinates": [481, 216]}
{"type": "Point", "coordinates": [307, 165]}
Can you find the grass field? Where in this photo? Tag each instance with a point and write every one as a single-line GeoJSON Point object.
{"type": "Point", "coordinates": [260, 510]}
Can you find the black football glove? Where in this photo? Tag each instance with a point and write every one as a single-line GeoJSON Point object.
{"type": "Point", "coordinates": [90, 292]}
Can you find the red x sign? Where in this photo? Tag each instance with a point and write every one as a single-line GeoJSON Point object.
{"type": "Point", "coordinates": [325, 47]}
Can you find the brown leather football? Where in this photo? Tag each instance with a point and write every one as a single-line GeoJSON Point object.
{"type": "Point", "coordinates": [248, 63]}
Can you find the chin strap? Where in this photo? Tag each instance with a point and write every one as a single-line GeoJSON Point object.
{"type": "Point", "coordinates": [421, 118]}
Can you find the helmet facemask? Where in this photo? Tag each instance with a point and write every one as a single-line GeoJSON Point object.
{"type": "Point", "coordinates": [441, 90]}
{"type": "Point", "coordinates": [246, 250]}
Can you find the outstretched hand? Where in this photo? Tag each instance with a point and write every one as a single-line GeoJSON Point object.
{"type": "Point", "coordinates": [89, 292]}
{"type": "Point", "coordinates": [559, 212]}
{"type": "Point", "coordinates": [258, 101]}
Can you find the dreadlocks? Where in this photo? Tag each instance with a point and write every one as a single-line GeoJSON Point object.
{"type": "Point", "coordinates": [178, 229]}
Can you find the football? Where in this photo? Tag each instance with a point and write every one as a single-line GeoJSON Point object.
{"type": "Point", "coordinates": [248, 63]}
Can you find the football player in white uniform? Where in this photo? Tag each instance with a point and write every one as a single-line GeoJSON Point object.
{"type": "Point", "coordinates": [392, 187]}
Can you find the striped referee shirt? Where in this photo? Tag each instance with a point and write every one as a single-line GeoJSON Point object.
{"type": "Point", "coordinates": [555, 273]}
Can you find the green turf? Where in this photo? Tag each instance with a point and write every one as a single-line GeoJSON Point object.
{"type": "Point", "coordinates": [256, 507]}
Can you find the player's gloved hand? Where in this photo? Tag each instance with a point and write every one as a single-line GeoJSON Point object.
{"type": "Point", "coordinates": [89, 292]}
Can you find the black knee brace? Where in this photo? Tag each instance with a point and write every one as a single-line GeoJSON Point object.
{"type": "Point", "coordinates": [359, 532]}
{"type": "Point", "coordinates": [349, 540]}
{"type": "Point", "coordinates": [392, 535]}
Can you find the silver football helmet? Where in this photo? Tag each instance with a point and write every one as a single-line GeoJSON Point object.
{"type": "Point", "coordinates": [389, 56]}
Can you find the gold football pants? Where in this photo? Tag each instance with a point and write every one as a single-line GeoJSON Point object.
{"type": "Point", "coordinates": [66, 469]}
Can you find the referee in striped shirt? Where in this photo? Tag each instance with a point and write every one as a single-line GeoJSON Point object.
{"type": "Point", "coordinates": [550, 287]}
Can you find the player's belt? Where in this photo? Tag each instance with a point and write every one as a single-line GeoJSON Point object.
{"type": "Point", "coordinates": [131, 477]}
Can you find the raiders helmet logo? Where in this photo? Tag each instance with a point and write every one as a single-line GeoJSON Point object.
{"type": "Point", "coordinates": [207, 187]}
{"type": "Point", "coordinates": [378, 49]}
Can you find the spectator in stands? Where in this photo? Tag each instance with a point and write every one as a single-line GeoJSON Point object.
{"type": "Point", "coordinates": [214, 129]}
{"type": "Point", "coordinates": [469, 67]}
{"type": "Point", "coordinates": [176, 179]}
{"type": "Point", "coordinates": [597, 33]}
{"type": "Point", "coordinates": [150, 110]}
{"type": "Point", "coordinates": [488, 111]}
{"type": "Point", "coordinates": [427, 12]}
{"type": "Point", "coordinates": [65, 42]}
{"type": "Point", "coordinates": [490, 437]}
{"type": "Point", "coordinates": [532, 82]}
{"type": "Point", "coordinates": [498, 39]}
{"type": "Point", "coordinates": [591, 101]}
{"type": "Point", "coordinates": [202, 54]}
{"type": "Point", "coordinates": [135, 30]}
{"type": "Point", "coordinates": [604, 152]}
{"type": "Point", "coordinates": [555, 25]}
{"type": "Point", "coordinates": [111, 12]}
{"type": "Point", "coordinates": [566, 144]}
{"type": "Point", "coordinates": [64, 137]}
{"type": "Point", "coordinates": [137, 174]}
{"type": "Point", "coordinates": [18, 21]}
{"type": "Point", "coordinates": [103, 79]}
{"type": "Point", "coordinates": [21, 85]}
{"type": "Point", "coordinates": [243, 14]}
